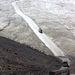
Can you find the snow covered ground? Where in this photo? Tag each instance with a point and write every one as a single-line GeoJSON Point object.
{"type": "Point", "coordinates": [56, 18]}
{"type": "Point", "coordinates": [63, 9]}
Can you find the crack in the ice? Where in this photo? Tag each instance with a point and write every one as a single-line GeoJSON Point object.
{"type": "Point", "coordinates": [5, 26]}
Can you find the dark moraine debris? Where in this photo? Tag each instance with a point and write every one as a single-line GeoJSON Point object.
{"type": "Point", "coordinates": [20, 59]}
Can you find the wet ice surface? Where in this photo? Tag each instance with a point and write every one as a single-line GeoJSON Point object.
{"type": "Point", "coordinates": [58, 11]}
{"type": "Point", "coordinates": [56, 18]}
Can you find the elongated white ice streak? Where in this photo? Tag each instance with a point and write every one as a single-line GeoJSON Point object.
{"type": "Point", "coordinates": [56, 51]}
{"type": "Point", "coordinates": [26, 18]}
